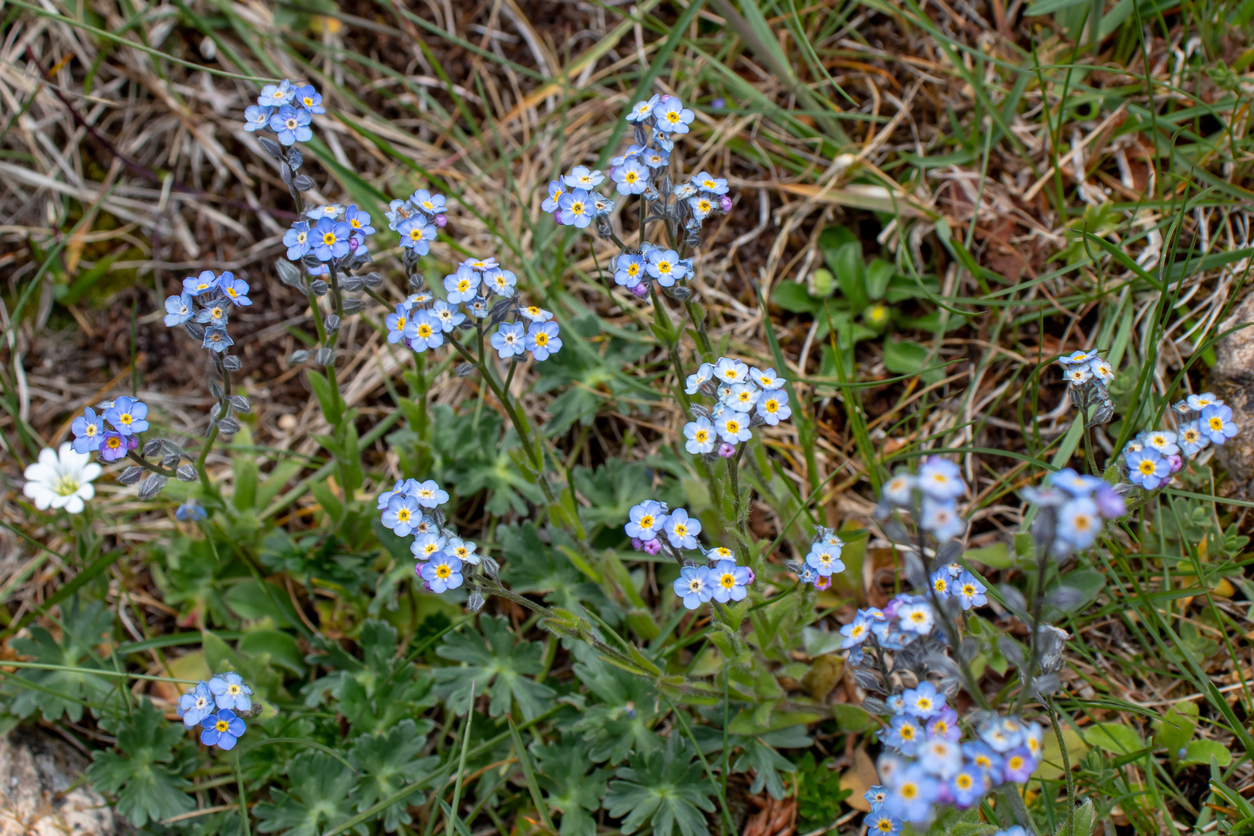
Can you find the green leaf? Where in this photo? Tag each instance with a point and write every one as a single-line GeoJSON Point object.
{"type": "Point", "coordinates": [60, 691]}
{"type": "Point", "coordinates": [532, 565]}
{"type": "Point", "coordinates": [389, 762]}
{"type": "Point", "coordinates": [850, 273]}
{"type": "Point", "coordinates": [1081, 822]}
{"type": "Point", "coordinates": [622, 719]}
{"type": "Point", "coordinates": [611, 490]}
{"type": "Point", "coordinates": [1045, 7]}
{"type": "Point", "coordinates": [273, 647]}
{"type": "Point", "coordinates": [996, 556]}
{"type": "Point", "coordinates": [878, 274]}
{"type": "Point", "coordinates": [317, 799]}
{"type": "Point", "coordinates": [1114, 737]}
{"type": "Point", "coordinates": [1201, 751]}
{"type": "Point", "coordinates": [570, 783]}
{"type": "Point", "coordinates": [904, 357]}
{"type": "Point", "coordinates": [1176, 728]}
{"type": "Point", "coordinates": [147, 787]}
{"type": "Point", "coordinates": [492, 663]}
{"type": "Point", "coordinates": [853, 719]}
{"type": "Point", "coordinates": [793, 297]}
{"type": "Point", "coordinates": [664, 789]}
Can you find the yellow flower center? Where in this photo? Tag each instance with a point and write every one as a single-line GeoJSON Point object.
{"type": "Point", "coordinates": [1190, 436]}
{"type": "Point", "coordinates": [963, 781]}
{"type": "Point", "coordinates": [114, 443]}
{"type": "Point", "coordinates": [542, 339]}
{"type": "Point", "coordinates": [428, 205]}
{"type": "Point", "coordinates": [917, 617]}
{"type": "Point", "coordinates": [328, 238]}
{"type": "Point", "coordinates": [701, 435]}
{"type": "Point", "coordinates": [727, 581]}
{"type": "Point", "coordinates": [125, 418]}
{"type": "Point", "coordinates": [576, 208]}
{"type": "Point", "coordinates": [680, 530]}
{"type": "Point", "coordinates": [91, 430]}
{"type": "Point", "coordinates": [443, 571]}
{"type": "Point", "coordinates": [907, 732]}
{"type": "Point", "coordinates": [710, 184]}
{"type": "Point", "coordinates": [663, 266]}
{"type": "Point", "coordinates": [885, 826]}
{"type": "Point", "coordinates": [400, 323]}
{"type": "Point", "coordinates": [234, 689]}
{"type": "Point", "coordinates": [221, 725]}
{"type": "Point", "coordinates": [1216, 423]}
{"type": "Point", "coordinates": [463, 286]}
{"type": "Point", "coordinates": [1082, 522]}
{"type": "Point", "coordinates": [968, 590]}
{"type": "Point", "coordinates": [940, 585]}
{"type": "Point", "coordinates": [424, 330]}
{"type": "Point", "coordinates": [1146, 467]}
{"type": "Point", "coordinates": [733, 426]}
{"type": "Point", "coordinates": [923, 704]}
{"type": "Point", "coordinates": [631, 177]}
{"type": "Point", "coordinates": [672, 117]}
{"type": "Point", "coordinates": [704, 206]}
{"type": "Point", "coordinates": [909, 791]}
{"type": "Point", "coordinates": [356, 224]}
{"type": "Point", "coordinates": [308, 100]}
{"type": "Point", "coordinates": [1016, 763]}
{"type": "Point", "coordinates": [65, 486]}
{"type": "Point", "coordinates": [402, 515]}
{"type": "Point", "coordinates": [292, 124]}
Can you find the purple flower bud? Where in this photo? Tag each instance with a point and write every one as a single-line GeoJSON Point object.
{"type": "Point", "coordinates": [1175, 461]}
{"type": "Point", "coordinates": [1110, 504]}
{"type": "Point", "coordinates": [637, 543]}
{"type": "Point", "coordinates": [653, 546]}
{"type": "Point", "coordinates": [641, 290]}
{"type": "Point", "coordinates": [557, 216]}
{"type": "Point", "coordinates": [441, 221]}
{"type": "Point", "coordinates": [752, 576]}
{"type": "Point", "coordinates": [726, 450]}
{"type": "Point", "coordinates": [725, 203]}
{"type": "Point", "coordinates": [353, 244]}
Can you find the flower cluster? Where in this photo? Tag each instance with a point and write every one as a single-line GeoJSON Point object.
{"type": "Point", "coordinates": [112, 430]}
{"type": "Point", "coordinates": [1088, 376]}
{"type": "Point", "coordinates": [654, 528]}
{"type": "Point", "coordinates": [61, 478]}
{"type": "Point", "coordinates": [1154, 456]}
{"type": "Point", "coordinates": [417, 220]}
{"type": "Point", "coordinates": [412, 508]}
{"type": "Point", "coordinates": [932, 493]}
{"type": "Point", "coordinates": [745, 398]}
{"type": "Point", "coordinates": [286, 109]}
{"type": "Point", "coordinates": [215, 706]}
{"type": "Point", "coordinates": [333, 235]}
{"type": "Point", "coordinates": [1077, 506]}
{"type": "Point", "coordinates": [926, 763]}
{"type": "Point", "coordinates": [822, 561]}
{"type": "Point", "coordinates": [643, 171]}
{"type": "Point", "coordinates": [205, 306]}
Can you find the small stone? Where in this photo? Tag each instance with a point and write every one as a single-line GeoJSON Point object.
{"type": "Point", "coordinates": [1232, 379]}
{"type": "Point", "coordinates": [35, 773]}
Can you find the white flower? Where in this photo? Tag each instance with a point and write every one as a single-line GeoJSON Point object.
{"type": "Point", "coordinates": [61, 479]}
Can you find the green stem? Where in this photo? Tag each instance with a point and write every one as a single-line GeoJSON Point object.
{"type": "Point", "coordinates": [243, 797]}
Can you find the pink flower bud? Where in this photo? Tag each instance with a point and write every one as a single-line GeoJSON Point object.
{"type": "Point", "coordinates": [725, 203]}
{"type": "Point", "coordinates": [726, 450]}
{"type": "Point", "coordinates": [752, 576]}
{"type": "Point", "coordinates": [1175, 461]}
{"type": "Point", "coordinates": [637, 543]}
{"type": "Point", "coordinates": [641, 290]}
{"type": "Point", "coordinates": [441, 221]}
{"type": "Point", "coordinates": [557, 216]}
{"type": "Point", "coordinates": [653, 546]}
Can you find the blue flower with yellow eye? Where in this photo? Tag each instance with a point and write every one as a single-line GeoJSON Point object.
{"type": "Point", "coordinates": [416, 234]}
{"type": "Point", "coordinates": [707, 182]}
{"type": "Point", "coordinates": [629, 270]}
{"type": "Point", "coordinates": [275, 95]}
{"type": "Point", "coordinates": [396, 323]}
{"type": "Point", "coordinates": [462, 286]}
{"type": "Point", "coordinates": [297, 240]}
{"type": "Point", "coordinates": [291, 125]}
{"type": "Point", "coordinates": [358, 220]}
{"type": "Point", "coordinates": [89, 430]}
{"type": "Point", "coordinates": [672, 116]}
{"type": "Point", "coordinates": [552, 202]}
{"type": "Point", "coordinates": [178, 309]}
{"type": "Point", "coordinates": [206, 282]}
{"type": "Point", "coordinates": [127, 416]}
{"type": "Point", "coordinates": [330, 239]}
{"type": "Point", "coordinates": [510, 340]}
{"type": "Point", "coordinates": [234, 289]}
{"type": "Point", "coordinates": [256, 118]}
{"type": "Point", "coordinates": [543, 339]}
{"type": "Point", "coordinates": [424, 331]}
{"type": "Point", "coordinates": [632, 177]}
{"type": "Point", "coordinates": [309, 98]}
{"type": "Point", "coordinates": [576, 209]}
{"type": "Point", "coordinates": [222, 729]}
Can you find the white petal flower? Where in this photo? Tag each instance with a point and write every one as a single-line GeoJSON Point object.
{"type": "Point", "coordinates": [61, 479]}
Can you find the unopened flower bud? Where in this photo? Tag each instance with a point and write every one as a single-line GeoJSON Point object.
{"type": "Point", "coordinates": [641, 290]}
{"type": "Point", "coordinates": [441, 221]}
{"type": "Point", "coordinates": [653, 546]}
{"type": "Point", "coordinates": [725, 203]}
{"type": "Point", "coordinates": [636, 542]}
{"type": "Point", "coordinates": [1175, 461]}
